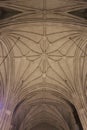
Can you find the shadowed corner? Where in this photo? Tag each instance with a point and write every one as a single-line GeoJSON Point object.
{"type": "Point", "coordinates": [82, 13]}
{"type": "Point", "coordinates": [7, 12]}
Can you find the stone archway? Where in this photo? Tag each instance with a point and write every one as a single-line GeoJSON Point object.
{"type": "Point", "coordinates": [47, 107]}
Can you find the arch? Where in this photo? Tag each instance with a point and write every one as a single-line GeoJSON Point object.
{"type": "Point", "coordinates": [50, 109]}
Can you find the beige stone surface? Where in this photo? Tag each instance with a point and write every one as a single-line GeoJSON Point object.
{"type": "Point", "coordinates": [43, 64]}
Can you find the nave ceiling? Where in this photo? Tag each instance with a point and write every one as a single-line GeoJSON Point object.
{"type": "Point", "coordinates": [43, 73]}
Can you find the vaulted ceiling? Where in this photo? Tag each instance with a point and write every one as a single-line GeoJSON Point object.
{"type": "Point", "coordinates": [43, 59]}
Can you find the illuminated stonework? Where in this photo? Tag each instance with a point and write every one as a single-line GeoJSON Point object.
{"type": "Point", "coordinates": [43, 70]}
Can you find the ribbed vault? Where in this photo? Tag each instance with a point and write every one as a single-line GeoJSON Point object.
{"type": "Point", "coordinates": [46, 106]}
{"type": "Point", "coordinates": [43, 64]}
